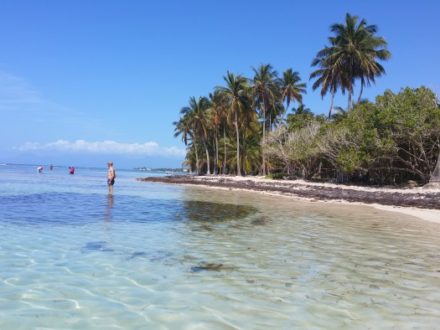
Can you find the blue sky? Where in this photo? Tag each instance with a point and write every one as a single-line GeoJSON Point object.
{"type": "Point", "coordinates": [84, 81]}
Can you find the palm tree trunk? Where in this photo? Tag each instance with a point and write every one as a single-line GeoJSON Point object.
{"type": "Point", "coordinates": [216, 153]}
{"type": "Point", "coordinates": [263, 165]}
{"type": "Point", "coordinates": [224, 150]}
{"type": "Point", "coordinates": [361, 91]}
{"type": "Point", "coordinates": [349, 100]}
{"type": "Point", "coordinates": [238, 144]}
{"type": "Point", "coordinates": [208, 165]}
{"type": "Point", "coordinates": [331, 106]}
{"type": "Point", "coordinates": [197, 158]}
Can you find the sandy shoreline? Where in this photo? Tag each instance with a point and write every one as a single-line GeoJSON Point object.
{"type": "Point", "coordinates": [417, 202]}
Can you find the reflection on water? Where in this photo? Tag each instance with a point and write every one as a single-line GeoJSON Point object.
{"type": "Point", "coordinates": [74, 209]}
{"type": "Point", "coordinates": [176, 257]}
{"type": "Point", "coordinates": [108, 210]}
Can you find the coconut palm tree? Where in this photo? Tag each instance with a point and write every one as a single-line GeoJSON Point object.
{"type": "Point", "coordinates": [266, 91]}
{"type": "Point", "coordinates": [291, 87]}
{"type": "Point", "coordinates": [217, 111]}
{"type": "Point", "coordinates": [198, 116]}
{"type": "Point", "coordinates": [358, 49]}
{"type": "Point", "coordinates": [185, 127]}
{"type": "Point", "coordinates": [354, 53]}
{"type": "Point", "coordinates": [301, 109]}
{"type": "Point", "coordinates": [236, 100]}
{"type": "Point", "coordinates": [328, 76]}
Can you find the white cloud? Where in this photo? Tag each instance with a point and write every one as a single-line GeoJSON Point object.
{"type": "Point", "coordinates": [16, 93]}
{"type": "Point", "coordinates": [104, 147]}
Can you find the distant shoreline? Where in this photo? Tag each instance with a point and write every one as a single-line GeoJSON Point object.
{"type": "Point", "coordinates": [414, 201]}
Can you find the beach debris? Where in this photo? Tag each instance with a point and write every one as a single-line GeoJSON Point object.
{"type": "Point", "coordinates": [324, 191]}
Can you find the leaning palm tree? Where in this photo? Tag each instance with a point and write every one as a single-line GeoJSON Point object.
{"type": "Point", "coordinates": [292, 88]}
{"type": "Point", "coordinates": [266, 91]}
{"type": "Point", "coordinates": [236, 101]}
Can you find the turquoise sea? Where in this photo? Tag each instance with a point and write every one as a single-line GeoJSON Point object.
{"type": "Point", "coordinates": [158, 256]}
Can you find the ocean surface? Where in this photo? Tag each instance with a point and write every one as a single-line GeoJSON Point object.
{"type": "Point", "coordinates": [158, 256]}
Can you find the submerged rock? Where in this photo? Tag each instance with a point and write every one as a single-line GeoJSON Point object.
{"type": "Point", "coordinates": [137, 254]}
{"type": "Point", "coordinates": [260, 221]}
{"type": "Point", "coordinates": [96, 246]}
{"type": "Point", "coordinates": [210, 266]}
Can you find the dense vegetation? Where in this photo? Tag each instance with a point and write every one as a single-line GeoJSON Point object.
{"type": "Point", "coordinates": [259, 125]}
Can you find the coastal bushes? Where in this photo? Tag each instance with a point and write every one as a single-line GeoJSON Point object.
{"type": "Point", "coordinates": [389, 141]}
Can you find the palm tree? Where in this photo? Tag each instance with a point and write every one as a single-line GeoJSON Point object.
{"type": "Point", "coordinates": [184, 127]}
{"type": "Point", "coordinates": [217, 112]}
{"type": "Point", "coordinates": [327, 76]}
{"type": "Point", "coordinates": [198, 117]}
{"type": "Point", "coordinates": [236, 101]}
{"type": "Point", "coordinates": [302, 109]}
{"type": "Point", "coordinates": [353, 53]}
{"type": "Point", "coordinates": [292, 88]}
{"type": "Point", "coordinates": [266, 92]}
{"type": "Point", "coordinates": [357, 49]}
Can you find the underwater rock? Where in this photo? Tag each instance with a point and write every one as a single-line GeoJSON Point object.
{"type": "Point", "coordinates": [96, 246]}
{"type": "Point", "coordinates": [210, 267]}
{"type": "Point", "coordinates": [260, 221]}
{"type": "Point", "coordinates": [160, 255]}
{"type": "Point", "coordinates": [137, 254]}
{"type": "Point", "coordinates": [206, 266]}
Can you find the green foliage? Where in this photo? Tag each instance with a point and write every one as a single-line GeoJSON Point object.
{"type": "Point", "coordinates": [241, 128]}
{"type": "Point", "coordinates": [391, 141]}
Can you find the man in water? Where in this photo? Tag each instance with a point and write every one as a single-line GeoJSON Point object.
{"type": "Point", "coordinates": [111, 175]}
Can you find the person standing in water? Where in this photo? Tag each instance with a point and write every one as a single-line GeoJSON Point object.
{"type": "Point", "coordinates": [111, 175]}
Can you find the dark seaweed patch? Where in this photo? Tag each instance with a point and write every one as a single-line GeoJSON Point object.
{"type": "Point", "coordinates": [209, 211]}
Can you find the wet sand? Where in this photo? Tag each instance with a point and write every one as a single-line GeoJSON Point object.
{"type": "Point", "coordinates": [418, 202]}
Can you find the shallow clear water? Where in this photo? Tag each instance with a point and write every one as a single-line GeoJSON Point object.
{"type": "Point", "coordinates": [173, 257]}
